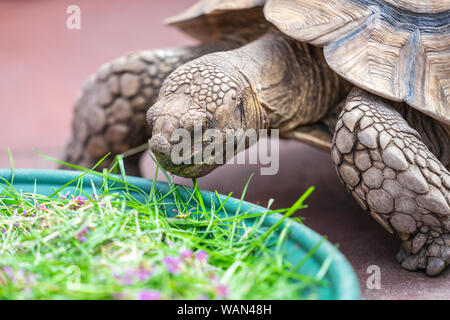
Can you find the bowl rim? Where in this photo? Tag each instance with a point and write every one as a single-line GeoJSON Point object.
{"type": "Point", "coordinates": [343, 277]}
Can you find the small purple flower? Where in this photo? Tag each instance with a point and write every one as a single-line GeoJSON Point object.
{"type": "Point", "coordinates": [123, 280]}
{"type": "Point", "coordinates": [41, 207]}
{"type": "Point", "coordinates": [168, 260]}
{"type": "Point", "coordinates": [144, 273]}
{"type": "Point", "coordinates": [170, 243]}
{"type": "Point", "coordinates": [9, 272]}
{"type": "Point", "coordinates": [120, 295]}
{"type": "Point", "coordinates": [172, 264]}
{"type": "Point", "coordinates": [221, 290]}
{"type": "Point", "coordinates": [24, 213]}
{"type": "Point", "coordinates": [81, 235]}
{"type": "Point", "coordinates": [4, 230]}
{"type": "Point", "coordinates": [30, 279]}
{"type": "Point", "coordinates": [80, 200]}
{"type": "Point", "coordinates": [201, 256]}
{"type": "Point", "coordinates": [150, 295]}
{"type": "Point", "coordinates": [186, 254]}
{"type": "Point", "coordinates": [128, 278]}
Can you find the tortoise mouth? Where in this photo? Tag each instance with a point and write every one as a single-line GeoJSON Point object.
{"type": "Point", "coordinates": [197, 154]}
{"type": "Point", "coordinates": [184, 161]}
{"type": "Point", "coordinates": [191, 170]}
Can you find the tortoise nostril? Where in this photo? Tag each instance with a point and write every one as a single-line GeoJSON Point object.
{"type": "Point", "coordinates": [160, 145]}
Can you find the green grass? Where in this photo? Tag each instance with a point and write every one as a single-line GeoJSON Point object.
{"type": "Point", "coordinates": [115, 245]}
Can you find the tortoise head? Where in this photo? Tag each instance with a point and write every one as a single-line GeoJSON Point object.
{"type": "Point", "coordinates": [200, 113]}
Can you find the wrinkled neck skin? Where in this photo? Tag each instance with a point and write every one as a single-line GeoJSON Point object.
{"type": "Point", "coordinates": [291, 81]}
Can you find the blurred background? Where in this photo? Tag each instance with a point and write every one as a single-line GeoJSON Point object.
{"type": "Point", "coordinates": [43, 66]}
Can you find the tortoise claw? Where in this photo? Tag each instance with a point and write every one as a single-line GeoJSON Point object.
{"type": "Point", "coordinates": [433, 257]}
{"type": "Point", "coordinates": [435, 266]}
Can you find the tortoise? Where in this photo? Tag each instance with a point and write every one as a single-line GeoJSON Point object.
{"type": "Point", "coordinates": [368, 81]}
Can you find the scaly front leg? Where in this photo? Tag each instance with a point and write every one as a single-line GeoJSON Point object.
{"type": "Point", "coordinates": [392, 173]}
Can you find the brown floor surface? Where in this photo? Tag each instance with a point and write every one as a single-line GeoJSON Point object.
{"type": "Point", "coordinates": [43, 65]}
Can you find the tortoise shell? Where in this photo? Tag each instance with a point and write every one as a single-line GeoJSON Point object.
{"type": "Point", "coordinates": [399, 49]}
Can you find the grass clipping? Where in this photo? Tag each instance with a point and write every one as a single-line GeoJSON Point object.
{"type": "Point", "coordinates": [119, 242]}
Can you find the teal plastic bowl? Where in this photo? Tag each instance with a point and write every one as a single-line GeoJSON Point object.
{"type": "Point", "coordinates": [342, 281]}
